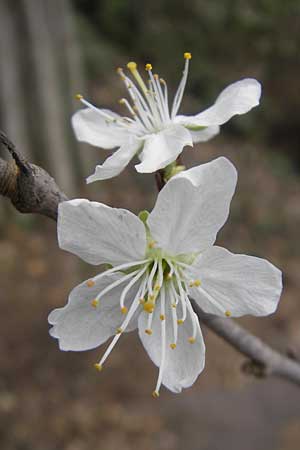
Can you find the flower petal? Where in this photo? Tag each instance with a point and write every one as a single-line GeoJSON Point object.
{"type": "Point", "coordinates": [239, 284]}
{"type": "Point", "coordinates": [100, 234]}
{"type": "Point", "coordinates": [237, 98]}
{"type": "Point", "coordinates": [162, 148]}
{"type": "Point", "coordinates": [204, 134]}
{"type": "Point", "coordinates": [113, 165]}
{"type": "Point", "coordinates": [192, 207]}
{"type": "Point", "coordinates": [184, 363]}
{"type": "Point", "coordinates": [79, 326]}
{"type": "Point", "coordinates": [89, 126]}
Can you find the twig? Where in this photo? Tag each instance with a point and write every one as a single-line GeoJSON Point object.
{"type": "Point", "coordinates": [32, 190]}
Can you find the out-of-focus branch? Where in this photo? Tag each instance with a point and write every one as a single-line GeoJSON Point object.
{"type": "Point", "coordinates": [263, 360]}
{"type": "Point", "coordinates": [32, 190]}
{"type": "Point", "coordinates": [29, 187]}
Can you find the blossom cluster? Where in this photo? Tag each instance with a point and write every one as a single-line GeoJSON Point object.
{"type": "Point", "coordinates": [160, 262]}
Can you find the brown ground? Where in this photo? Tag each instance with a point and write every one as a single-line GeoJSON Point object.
{"type": "Point", "coordinates": [50, 400]}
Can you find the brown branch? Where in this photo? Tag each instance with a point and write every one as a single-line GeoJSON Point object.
{"type": "Point", "coordinates": [32, 190]}
{"type": "Point", "coordinates": [263, 360]}
{"type": "Point", "coordinates": [29, 187]}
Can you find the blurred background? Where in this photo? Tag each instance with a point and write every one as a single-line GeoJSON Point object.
{"type": "Point", "coordinates": [53, 49]}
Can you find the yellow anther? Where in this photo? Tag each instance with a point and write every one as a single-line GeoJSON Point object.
{"type": "Point", "coordinates": [132, 65]}
{"type": "Point", "coordinates": [157, 287]}
{"type": "Point", "coordinates": [227, 313]}
{"type": "Point", "coordinates": [151, 297]}
{"type": "Point", "coordinates": [173, 305]}
{"type": "Point", "coordinates": [155, 394]}
{"type": "Point", "coordinates": [180, 321]}
{"type": "Point", "coordinates": [90, 283]}
{"type": "Point", "coordinates": [156, 76]}
{"type": "Point", "coordinates": [151, 244]}
{"type": "Point", "coordinates": [95, 303]}
{"type": "Point", "coordinates": [119, 70]}
{"type": "Point", "coordinates": [119, 331]}
{"type": "Point", "coordinates": [195, 283]}
{"type": "Point", "coordinates": [148, 331]}
{"type": "Point", "coordinates": [187, 55]}
{"type": "Point", "coordinates": [169, 276]}
{"type": "Point", "coordinates": [148, 66]}
{"type": "Point", "coordinates": [78, 97]}
{"type": "Point", "coordinates": [122, 101]}
{"type": "Point", "coordinates": [124, 310]}
{"type": "Point", "coordinates": [173, 346]}
{"type": "Point", "coordinates": [149, 307]}
{"type": "Point", "coordinates": [191, 340]}
{"type": "Point", "coordinates": [142, 301]}
{"type": "Point", "coordinates": [98, 367]}
{"type": "Point", "coordinates": [162, 317]}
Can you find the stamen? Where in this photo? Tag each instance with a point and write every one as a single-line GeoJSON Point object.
{"type": "Point", "coordinates": [125, 102]}
{"type": "Point", "coordinates": [173, 346]}
{"type": "Point", "coordinates": [192, 339]}
{"type": "Point", "coordinates": [148, 66]}
{"type": "Point", "coordinates": [95, 303]}
{"type": "Point", "coordinates": [121, 267]}
{"type": "Point", "coordinates": [227, 313]}
{"type": "Point", "coordinates": [183, 294]}
{"type": "Point", "coordinates": [124, 310]}
{"type": "Point", "coordinates": [174, 300]}
{"type": "Point", "coordinates": [179, 94]}
{"type": "Point", "coordinates": [148, 331]}
{"type": "Point", "coordinates": [132, 310]}
{"type": "Point", "coordinates": [116, 283]}
{"type": "Point", "coordinates": [149, 307]}
{"type": "Point", "coordinates": [90, 283]}
{"type": "Point", "coordinates": [78, 97]}
{"type": "Point", "coordinates": [151, 277]}
{"type": "Point", "coordinates": [98, 367]}
{"type": "Point", "coordinates": [162, 317]}
{"type": "Point", "coordinates": [130, 284]}
{"type": "Point", "coordinates": [132, 66]}
{"type": "Point", "coordinates": [163, 344]}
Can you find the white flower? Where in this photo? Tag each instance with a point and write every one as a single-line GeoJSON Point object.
{"type": "Point", "coordinates": [154, 131]}
{"type": "Point", "coordinates": [158, 261]}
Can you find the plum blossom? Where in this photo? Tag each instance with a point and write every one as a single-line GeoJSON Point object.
{"type": "Point", "coordinates": [157, 262]}
{"type": "Point", "coordinates": [152, 129]}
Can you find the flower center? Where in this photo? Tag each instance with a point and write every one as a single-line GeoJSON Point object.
{"type": "Point", "coordinates": [149, 105]}
{"type": "Point", "coordinates": [161, 293]}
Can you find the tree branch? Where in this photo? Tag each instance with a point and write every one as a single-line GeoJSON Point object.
{"type": "Point", "coordinates": [29, 187]}
{"type": "Point", "coordinates": [32, 190]}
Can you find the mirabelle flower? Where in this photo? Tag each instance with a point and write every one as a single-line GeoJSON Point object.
{"type": "Point", "coordinates": [153, 130]}
{"type": "Point", "coordinates": [158, 261]}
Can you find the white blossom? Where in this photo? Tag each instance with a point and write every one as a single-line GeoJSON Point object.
{"type": "Point", "coordinates": [153, 130]}
{"type": "Point", "coordinates": [157, 261]}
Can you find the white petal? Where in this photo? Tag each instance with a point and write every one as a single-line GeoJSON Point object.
{"type": "Point", "coordinates": [239, 284]}
{"type": "Point", "coordinates": [237, 98]}
{"type": "Point", "coordinates": [79, 326]}
{"type": "Point", "coordinates": [114, 165]}
{"type": "Point", "coordinates": [162, 148]}
{"type": "Point", "coordinates": [89, 126]}
{"type": "Point", "coordinates": [192, 207]}
{"type": "Point", "coordinates": [184, 363]}
{"type": "Point", "coordinates": [100, 234]}
{"type": "Point", "coordinates": [205, 134]}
